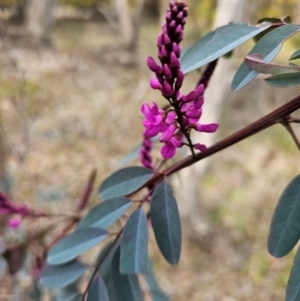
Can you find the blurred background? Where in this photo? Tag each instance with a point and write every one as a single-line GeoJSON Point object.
{"type": "Point", "coordinates": [73, 76]}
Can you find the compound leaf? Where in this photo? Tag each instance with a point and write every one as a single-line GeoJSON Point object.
{"type": "Point", "coordinates": [63, 275]}
{"type": "Point", "coordinates": [106, 213]}
{"type": "Point", "coordinates": [134, 244]}
{"type": "Point", "coordinates": [285, 226]}
{"type": "Point", "coordinates": [75, 244]}
{"type": "Point", "coordinates": [124, 181]}
{"type": "Point", "coordinates": [166, 222]}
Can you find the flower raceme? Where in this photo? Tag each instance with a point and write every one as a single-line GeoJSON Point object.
{"type": "Point", "coordinates": [184, 111]}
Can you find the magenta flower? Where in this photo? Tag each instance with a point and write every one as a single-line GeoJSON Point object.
{"type": "Point", "coordinates": [14, 223]}
{"type": "Point", "coordinates": [176, 122]}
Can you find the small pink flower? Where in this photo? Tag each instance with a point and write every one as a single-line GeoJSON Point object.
{"type": "Point", "coordinates": [14, 223]}
{"type": "Point", "coordinates": [168, 150]}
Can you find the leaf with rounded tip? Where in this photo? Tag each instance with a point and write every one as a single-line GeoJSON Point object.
{"type": "Point", "coordinates": [166, 222]}
{"type": "Point", "coordinates": [293, 286]}
{"type": "Point", "coordinates": [284, 80]}
{"type": "Point", "coordinates": [295, 55]}
{"type": "Point", "coordinates": [63, 275]}
{"type": "Point", "coordinates": [127, 287]}
{"type": "Point", "coordinates": [69, 293]}
{"type": "Point", "coordinates": [106, 213]}
{"type": "Point", "coordinates": [285, 226]}
{"type": "Point", "coordinates": [268, 47]}
{"type": "Point", "coordinates": [75, 244]}
{"type": "Point", "coordinates": [224, 39]}
{"type": "Point", "coordinates": [124, 181]}
{"type": "Point", "coordinates": [134, 244]}
{"type": "Point", "coordinates": [97, 291]}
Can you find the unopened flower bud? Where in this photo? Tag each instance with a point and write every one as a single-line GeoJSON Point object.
{"type": "Point", "coordinates": [152, 65]}
{"type": "Point", "coordinates": [200, 147]}
{"type": "Point", "coordinates": [167, 89]}
{"type": "Point", "coordinates": [190, 97]}
{"type": "Point", "coordinates": [167, 72]}
{"type": "Point", "coordinates": [207, 128]}
{"type": "Point", "coordinates": [174, 61]}
{"type": "Point", "coordinates": [167, 39]}
{"type": "Point", "coordinates": [154, 83]}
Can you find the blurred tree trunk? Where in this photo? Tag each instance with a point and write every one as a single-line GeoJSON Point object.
{"type": "Point", "coordinates": [297, 14]}
{"type": "Point", "coordinates": [187, 185]}
{"type": "Point", "coordinates": [40, 20]}
{"type": "Point", "coordinates": [129, 23]}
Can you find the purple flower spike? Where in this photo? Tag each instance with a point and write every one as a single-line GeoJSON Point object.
{"type": "Point", "coordinates": [145, 153]}
{"type": "Point", "coordinates": [175, 124]}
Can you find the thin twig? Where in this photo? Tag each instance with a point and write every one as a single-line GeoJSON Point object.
{"type": "Point", "coordinates": [100, 262]}
{"type": "Point", "coordinates": [290, 130]}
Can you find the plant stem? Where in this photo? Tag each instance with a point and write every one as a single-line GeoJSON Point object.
{"type": "Point", "coordinates": [276, 116]}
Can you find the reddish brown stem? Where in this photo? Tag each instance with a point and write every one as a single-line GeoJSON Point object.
{"type": "Point", "coordinates": [270, 119]}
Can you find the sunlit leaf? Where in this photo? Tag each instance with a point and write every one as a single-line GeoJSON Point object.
{"type": "Point", "coordinates": [295, 55]}
{"type": "Point", "coordinates": [97, 291]}
{"type": "Point", "coordinates": [166, 222]}
{"type": "Point", "coordinates": [224, 40]}
{"type": "Point", "coordinates": [134, 244]}
{"type": "Point", "coordinates": [124, 182]}
{"type": "Point", "coordinates": [268, 47]}
{"type": "Point", "coordinates": [127, 287]}
{"type": "Point", "coordinates": [63, 275]}
{"type": "Point", "coordinates": [75, 244]}
{"type": "Point", "coordinates": [285, 228]}
{"type": "Point", "coordinates": [284, 80]}
{"type": "Point", "coordinates": [106, 213]}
